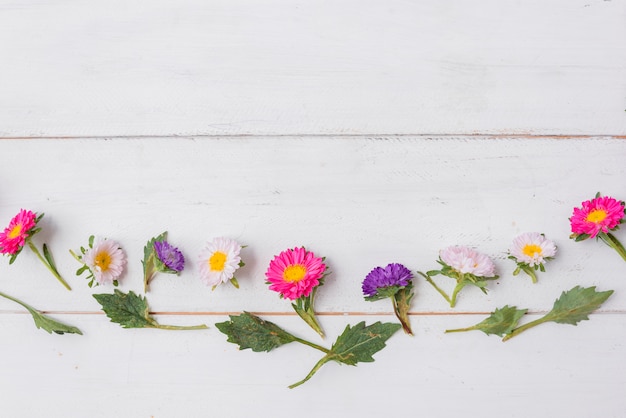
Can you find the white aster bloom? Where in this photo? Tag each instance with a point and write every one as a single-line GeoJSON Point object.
{"type": "Point", "coordinates": [532, 248]}
{"type": "Point", "coordinates": [219, 260]}
{"type": "Point", "coordinates": [466, 260]}
{"type": "Point", "coordinates": [106, 260]}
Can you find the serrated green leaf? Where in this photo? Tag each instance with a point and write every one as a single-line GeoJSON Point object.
{"type": "Point", "coordinates": [356, 344]}
{"type": "Point", "coordinates": [383, 293]}
{"type": "Point", "coordinates": [127, 309]}
{"type": "Point", "coordinates": [576, 304]}
{"type": "Point", "coordinates": [149, 259]}
{"type": "Point", "coordinates": [502, 321]}
{"type": "Point", "coordinates": [131, 311]}
{"type": "Point", "coordinates": [249, 331]}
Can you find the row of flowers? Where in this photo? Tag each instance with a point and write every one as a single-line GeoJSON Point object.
{"type": "Point", "coordinates": [297, 273]}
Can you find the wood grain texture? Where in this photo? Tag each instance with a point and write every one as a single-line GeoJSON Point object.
{"type": "Point", "coordinates": [369, 132]}
{"type": "Point", "coordinates": [111, 68]}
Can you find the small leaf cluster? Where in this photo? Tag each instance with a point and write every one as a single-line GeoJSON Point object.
{"type": "Point", "coordinates": [462, 279]}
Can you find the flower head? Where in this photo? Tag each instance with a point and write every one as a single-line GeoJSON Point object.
{"type": "Point", "coordinates": [393, 277]}
{"type": "Point", "coordinates": [170, 256]}
{"type": "Point", "coordinates": [532, 248]}
{"type": "Point", "coordinates": [601, 214]}
{"type": "Point", "coordinates": [295, 273]}
{"type": "Point", "coordinates": [465, 260]}
{"type": "Point", "coordinates": [219, 260]}
{"type": "Point", "coordinates": [14, 236]}
{"type": "Point", "coordinates": [106, 261]}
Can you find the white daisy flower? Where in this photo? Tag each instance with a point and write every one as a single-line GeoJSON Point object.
{"type": "Point", "coordinates": [219, 260]}
{"type": "Point", "coordinates": [106, 260]}
{"type": "Point", "coordinates": [532, 248]}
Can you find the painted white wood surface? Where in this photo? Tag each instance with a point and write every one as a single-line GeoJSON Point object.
{"type": "Point", "coordinates": [368, 131]}
{"type": "Point", "coordinates": [195, 67]}
{"type": "Point", "coordinates": [361, 202]}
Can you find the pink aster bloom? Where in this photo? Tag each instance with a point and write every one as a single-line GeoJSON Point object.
{"type": "Point", "coordinates": [14, 236]}
{"type": "Point", "coordinates": [295, 273]}
{"type": "Point", "coordinates": [601, 214]}
{"type": "Point", "coordinates": [465, 260]}
{"type": "Point", "coordinates": [106, 261]}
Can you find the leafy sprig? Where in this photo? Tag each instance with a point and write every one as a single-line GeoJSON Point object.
{"type": "Point", "coordinates": [571, 307]}
{"type": "Point", "coordinates": [45, 322]}
{"type": "Point", "coordinates": [132, 311]}
{"type": "Point", "coordinates": [356, 344]}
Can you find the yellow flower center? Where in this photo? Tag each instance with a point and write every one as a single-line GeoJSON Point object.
{"type": "Point", "coordinates": [217, 261]}
{"type": "Point", "coordinates": [294, 273]}
{"type": "Point", "coordinates": [531, 249]}
{"type": "Point", "coordinates": [16, 231]}
{"type": "Point", "coordinates": [596, 216]}
{"type": "Point", "coordinates": [102, 260]}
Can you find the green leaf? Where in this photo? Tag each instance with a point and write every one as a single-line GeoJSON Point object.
{"type": "Point", "coordinates": [356, 344]}
{"type": "Point", "coordinates": [149, 259]}
{"type": "Point", "coordinates": [383, 293]}
{"type": "Point", "coordinates": [576, 304]}
{"type": "Point", "coordinates": [45, 322]}
{"type": "Point", "coordinates": [50, 325]}
{"type": "Point", "coordinates": [129, 310]}
{"type": "Point", "coordinates": [500, 322]}
{"type": "Point", "coordinates": [249, 331]}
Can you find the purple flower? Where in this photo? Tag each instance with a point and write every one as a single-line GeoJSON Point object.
{"type": "Point", "coordinates": [394, 275]}
{"type": "Point", "coordinates": [169, 255]}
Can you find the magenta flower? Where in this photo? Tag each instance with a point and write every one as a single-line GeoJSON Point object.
{"type": "Point", "coordinates": [296, 274]}
{"type": "Point", "coordinates": [13, 239]}
{"type": "Point", "coordinates": [596, 219]}
{"type": "Point", "coordinates": [18, 234]}
{"type": "Point", "coordinates": [602, 214]}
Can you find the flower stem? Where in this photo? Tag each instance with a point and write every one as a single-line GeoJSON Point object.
{"type": "Point", "coordinates": [460, 329]}
{"type": "Point", "coordinates": [180, 327]}
{"type": "Point", "coordinates": [524, 327]}
{"type": "Point", "coordinates": [530, 272]}
{"type": "Point", "coordinates": [51, 268]}
{"type": "Point", "coordinates": [460, 285]}
{"type": "Point", "coordinates": [310, 344]}
{"type": "Point", "coordinates": [311, 373]}
{"type": "Point", "coordinates": [28, 307]}
{"type": "Point", "coordinates": [403, 318]}
{"type": "Point", "coordinates": [610, 240]}
{"type": "Point", "coordinates": [441, 292]}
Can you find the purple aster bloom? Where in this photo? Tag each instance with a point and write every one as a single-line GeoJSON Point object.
{"type": "Point", "coordinates": [169, 255]}
{"type": "Point", "coordinates": [394, 274]}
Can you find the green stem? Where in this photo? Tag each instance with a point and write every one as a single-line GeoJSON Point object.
{"type": "Point", "coordinates": [28, 307]}
{"type": "Point", "coordinates": [441, 292]}
{"type": "Point", "coordinates": [610, 240]}
{"type": "Point", "coordinates": [311, 373]}
{"type": "Point", "coordinates": [524, 327]}
{"type": "Point", "coordinates": [530, 272]}
{"type": "Point", "coordinates": [52, 270]}
{"type": "Point", "coordinates": [179, 327]}
{"type": "Point", "coordinates": [460, 329]}
{"type": "Point", "coordinates": [310, 344]}
{"type": "Point", "coordinates": [404, 320]}
{"type": "Point", "coordinates": [460, 285]}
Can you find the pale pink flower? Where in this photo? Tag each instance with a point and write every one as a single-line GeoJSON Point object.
{"type": "Point", "coordinates": [466, 260]}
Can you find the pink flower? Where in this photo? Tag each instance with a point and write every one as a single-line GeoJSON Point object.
{"type": "Point", "coordinates": [465, 260]}
{"type": "Point", "coordinates": [598, 215]}
{"type": "Point", "coordinates": [295, 273]}
{"type": "Point", "coordinates": [14, 237]}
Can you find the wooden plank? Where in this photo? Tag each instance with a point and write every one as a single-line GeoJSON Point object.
{"type": "Point", "coordinates": [552, 370]}
{"type": "Point", "coordinates": [111, 68]}
{"type": "Point", "coordinates": [361, 202]}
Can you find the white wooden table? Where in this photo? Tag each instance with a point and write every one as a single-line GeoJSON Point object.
{"type": "Point", "coordinates": [370, 132]}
